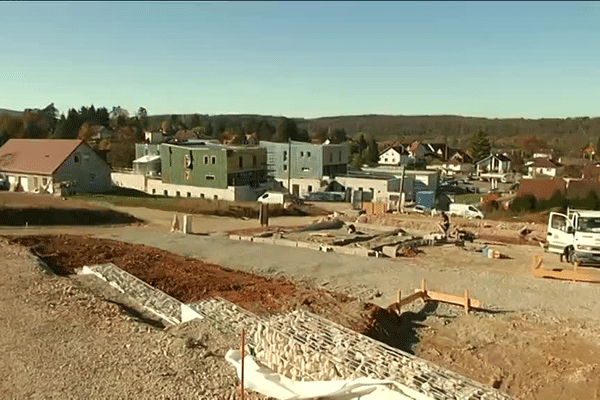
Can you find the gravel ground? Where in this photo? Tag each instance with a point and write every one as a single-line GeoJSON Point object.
{"type": "Point", "coordinates": [62, 338]}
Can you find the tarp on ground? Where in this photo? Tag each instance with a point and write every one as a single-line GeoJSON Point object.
{"type": "Point", "coordinates": [263, 380]}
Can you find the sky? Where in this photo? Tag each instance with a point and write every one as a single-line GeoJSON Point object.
{"type": "Point", "coordinates": [304, 59]}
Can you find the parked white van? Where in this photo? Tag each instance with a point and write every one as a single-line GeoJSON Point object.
{"type": "Point", "coordinates": [465, 211]}
{"type": "Point", "coordinates": [274, 198]}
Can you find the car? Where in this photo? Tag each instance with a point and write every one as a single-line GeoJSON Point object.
{"type": "Point", "coordinates": [419, 209]}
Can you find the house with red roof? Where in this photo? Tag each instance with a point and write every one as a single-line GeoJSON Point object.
{"type": "Point", "coordinates": [39, 165]}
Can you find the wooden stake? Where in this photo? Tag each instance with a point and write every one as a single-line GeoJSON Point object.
{"type": "Point", "coordinates": [243, 355]}
{"type": "Point", "coordinates": [398, 298]}
{"type": "Point", "coordinates": [467, 301]}
{"type": "Point", "coordinates": [423, 287]}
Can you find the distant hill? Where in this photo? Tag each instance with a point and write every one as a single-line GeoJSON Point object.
{"type": "Point", "coordinates": [11, 113]}
{"type": "Point", "coordinates": [565, 135]}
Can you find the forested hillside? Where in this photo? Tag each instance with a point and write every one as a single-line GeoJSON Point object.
{"type": "Point", "coordinates": [567, 136]}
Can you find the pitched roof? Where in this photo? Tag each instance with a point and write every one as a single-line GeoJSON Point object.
{"type": "Point", "coordinates": [500, 157]}
{"type": "Point", "coordinates": [400, 150]}
{"type": "Point", "coordinates": [542, 163]}
{"type": "Point", "coordinates": [36, 156]}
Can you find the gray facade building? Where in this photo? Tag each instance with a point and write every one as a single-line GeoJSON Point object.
{"type": "Point", "coordinates": [300, 160]}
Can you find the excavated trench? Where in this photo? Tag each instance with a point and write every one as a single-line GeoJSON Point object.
{"type": "Point", "coordinates": [191, 280]}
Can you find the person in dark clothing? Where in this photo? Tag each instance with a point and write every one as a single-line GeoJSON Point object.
{"type": "Point", "coordinates": [444, 224]}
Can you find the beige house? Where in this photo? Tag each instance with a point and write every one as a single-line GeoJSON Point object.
{"type": "Point", "coordinates": [39, 165]}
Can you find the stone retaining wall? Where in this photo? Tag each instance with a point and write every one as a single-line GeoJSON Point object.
{"type": "Point", "coordinates": [303, 346]}
{"type": "Point", "coordinates": [154, 300]}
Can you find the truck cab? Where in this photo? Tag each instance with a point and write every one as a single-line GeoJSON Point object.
{"type": "Point", "coordinates": [575, 236]}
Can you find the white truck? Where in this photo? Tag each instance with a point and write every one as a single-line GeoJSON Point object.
{"type": "Point", "coordinates": [575, 236]}
{"type": "Point", "coordinates": [465, 211]}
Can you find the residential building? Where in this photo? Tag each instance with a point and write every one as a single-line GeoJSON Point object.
{"type": "Point", "coordinates": [542, 166]}
{"type": "Point", "coordinates": [147, 149]}
{"type": "Point", "coordinates": [494, 163]}
{"type": "Point", "coordinates": [205, 164]}
{"type": "Point", "coordinates": [395, 155]}
{"type": "Point", "coordinates": [461, 156]}
{"type": "Point", "coordinates": [39, 165]}
{"type": "Point", "coordinates": [200, 168]}
{"type": "Point", "coordinates": [414, 180]}
{"type": "Point", "coordinates": [439, 150]}
{"type": "Point", "coordinates": [153, 137]}
{"type": "Point", "coordinates": [305, 165]}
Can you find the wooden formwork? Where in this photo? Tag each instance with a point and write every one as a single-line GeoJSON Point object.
{"type": "Point", "coordinates": [466, 301]}
{"type": "Point", "coordinates": [575, 274]}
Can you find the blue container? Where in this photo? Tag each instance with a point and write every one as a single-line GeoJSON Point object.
{"type": "Point", "coordinates": [485, 251]}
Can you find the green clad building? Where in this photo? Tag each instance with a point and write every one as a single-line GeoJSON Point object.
{"type": "Point", "coordinates": [211, 165]}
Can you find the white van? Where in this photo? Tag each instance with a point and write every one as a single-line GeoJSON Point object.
{"type": "Point", "coordinates": [465, 211]}
{"type": "Point", "coordinates": [274, 198]}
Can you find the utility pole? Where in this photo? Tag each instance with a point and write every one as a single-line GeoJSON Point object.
{"type": "Point", "coordinates": [289, 164]}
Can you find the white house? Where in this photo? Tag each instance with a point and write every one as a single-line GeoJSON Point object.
{"type": "Point", "coordinates": [36, 165]}
{"type": "Point", "coordinates": [497, 163]}
{"type": "Point", "coordinates": [395, 155]}
{"type": "Point", "coordinates": [542, 167]}
{"type": "Point", "coordinates": [454, 167]}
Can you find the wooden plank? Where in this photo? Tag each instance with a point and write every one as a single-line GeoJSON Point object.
{"type": "Point", "coordinates": [409, 299]}
{"type": "Point", "coordinates": [453, 299]}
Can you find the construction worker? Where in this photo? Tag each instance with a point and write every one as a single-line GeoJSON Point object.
{"type": "Point", "coordinates": [444, 224]}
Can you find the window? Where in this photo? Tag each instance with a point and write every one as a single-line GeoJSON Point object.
{"type": "Point", "coordinates": [284, 167]}
{"type": "Point", "coordinates": [44, 181]}
{"type": "Point", "coordinates": [213, 159]}
{"type": "Point", "coordinates": [241, 161]}
{"type": "Point", "coordinates": [216, 197]}
{"type": "Point", "coordinates": [254, 161]}
{"type": "Point", "coordinates": [309, 188]}
{"type": "Point", "coordinates": [189, 194]}
{"type": "Point", "coordinates": [187, 161]}
{"type": "Point", "coordinates": [305, 169]}
{"type": "Point", "coordinates": [153, 191]}
{"type": "Point", "coordinates": [285, 155]}
{"type": "Point", "coordinates": [92, 177]}
{"type": "Point", "coordinates": [166, 193]}
{"type": "Point", "coordinates": [187, 175]}
{"type": "Point", "coordinates": [178, 194]}
{"type": "Point", "coordinates": [559, 222]}
{"type": "Point", "coordinates": [205, 159]}
{"type": "Point", "coordinates": [146, 151]}
{"type": "Point", "coordinates": [210, 177]}
{"type": "Point", "coordinates": [35, 182]}
{"type": "Point", "coordinates": [76, 157]}
{"type": "Point", "coordinates": [301, 154]}
{"type": "Point", "coordinates": [308, 154]}
{"type": "Point", "coordinates": [201, 195]}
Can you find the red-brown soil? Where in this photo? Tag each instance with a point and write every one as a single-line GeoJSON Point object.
{"type": "Point", "coordinates": [191, 280]}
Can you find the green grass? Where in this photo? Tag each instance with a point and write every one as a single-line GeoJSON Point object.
{"type": "Point", "coordinates": [468, 198]}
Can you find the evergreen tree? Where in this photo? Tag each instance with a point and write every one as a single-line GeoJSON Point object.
{"type": "Point", "coordinates": [480, 146]}
{"type": "Point", "coordinates": [362, 143]}
{"type": "Point", "coordinates": [287, 130]}
{"type": "Point", "coordinates": [373, 153]}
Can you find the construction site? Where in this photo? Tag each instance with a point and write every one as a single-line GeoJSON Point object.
{"type": "Point", "coordinates": [157, 308]}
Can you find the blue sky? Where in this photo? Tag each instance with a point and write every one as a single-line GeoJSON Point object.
{"type": "Point", "coordinates": [304, 59]}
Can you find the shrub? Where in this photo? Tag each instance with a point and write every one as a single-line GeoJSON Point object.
{"type": "Point", "coordinates": [524, 203]}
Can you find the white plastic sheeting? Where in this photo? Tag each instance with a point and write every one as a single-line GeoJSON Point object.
{"type": "Point", "coordinates": [261, 379]}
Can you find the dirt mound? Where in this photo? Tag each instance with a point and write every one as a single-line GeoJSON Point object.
{"type": "Point", "coordinates": [191, 280]}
